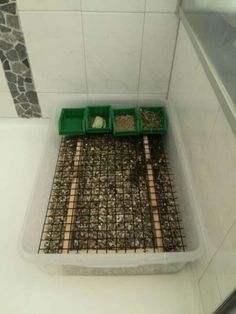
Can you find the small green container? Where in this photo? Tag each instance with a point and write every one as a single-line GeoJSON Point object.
{"type": "Point", "coordinates": [164, 119]}
{"type": "Point", "coordinates": [72, 121]}
{"type": "Point", "coordinates": [101, 111]}
{"type": "Point", "coordinates": [123, 112]}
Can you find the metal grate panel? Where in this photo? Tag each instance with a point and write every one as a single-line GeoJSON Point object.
{"type": "Point", "coordinates": [112, 194]}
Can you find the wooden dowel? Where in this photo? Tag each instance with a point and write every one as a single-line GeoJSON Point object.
{"type": "Point", "coordinates": [153, 196]}
{"type": "Point", "coordinates": [72, 201]}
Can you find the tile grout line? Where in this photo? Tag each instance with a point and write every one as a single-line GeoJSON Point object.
{"type": "Point", "coordinates": [211, 132]}
{"type": "Point", "coordinates": [97, 93]}
{"type": "Point", "coordinates": [84, 50]}
{"type": "Point", "coordinates": [173, 59]}
{"type": "Point", "coordinates": [98, 12]}
{"type": "Point", "coordinates": [217, 250]}
{"type": "Point", "coordinates": [196, 287]}
{"type": "Point", "coordinates": [141, 51]}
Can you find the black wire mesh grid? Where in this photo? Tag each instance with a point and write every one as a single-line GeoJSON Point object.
{"type": "Point", "coordinates": [103, 198]}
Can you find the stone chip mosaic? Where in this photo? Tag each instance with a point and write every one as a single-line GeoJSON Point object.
{"type": "Point", "coordinates": [15, 62]}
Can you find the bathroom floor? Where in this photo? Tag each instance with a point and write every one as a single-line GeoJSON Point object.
{"type": "Point", "coordinates": [32, 291]}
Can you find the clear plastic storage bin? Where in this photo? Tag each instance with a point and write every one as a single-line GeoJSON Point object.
{"type": "Point", "coordinates": [112, 263]}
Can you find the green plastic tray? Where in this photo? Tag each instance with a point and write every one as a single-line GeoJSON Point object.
{"type": "Point", "coordinates": [122, 112]}
{"type": "Point", "coordinates": [72, 121]}
{"type": "Point", "coordinates": [163, 114]}
{"type": "Point", "coordinates": [102, 111]}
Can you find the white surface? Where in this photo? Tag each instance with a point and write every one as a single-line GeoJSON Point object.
{"type": "Point", "coordinates": [55, 46]}
{"type": "Point", "coordinates": [157, 54]}
{"type": "Point", "coordinates": [209, 290]}
{"type": "Point", "coordinates": [218, 197]}
{"type": "Point", "coordinates": [7, 107]}
{"type": "Point", "coordinates": [151, 99]}
{"type": "Point", "coordinates": [49, 100]}
{"type": "Point", "coordinates": [161, 5]}
{"type": "Point", "coordinates": [3, 82]}
{"type": "Point", "coordinates": [211, 150]}
{"type": "Point", "coordinates": [224, 264]}
{"type": "Point", "coordinates": [113, 5]}
{"type": "Point", "coordinates": [228, 6]}
{"type": "Point", "coordinates": [196, 112]}
{"type": "Point", "coordinates": [112, 49]}
{"type": "Point", "coordinates": [99, 5]}
{"type": "Point", "coordinates": [112, 61]}
{"type": "Point", "coordinates": [49, 5]}
{"type": "Point", "coordinates": [25, 289]}
{"type": "Point", "coordinates": [220, 166]}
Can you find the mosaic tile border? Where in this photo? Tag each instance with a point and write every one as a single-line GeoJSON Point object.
{"type": "Point", "coordinates": [15, 61]}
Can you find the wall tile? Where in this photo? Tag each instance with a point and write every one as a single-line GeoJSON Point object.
{"type": "Point", "coordinates": [57, 59]}
{"type": "Point", "coordinates": [112, 47]}
{"type": "Point", "coordinates": [49, 5]}
{"type": "Point", "coordinates": [158, 50]}
{"type": "Point", "coordinates": [224, 263]}
{"type": "Point", "coordinates": [180, 94]}
{"type": "Point", "coordinates": [195, 105]}
{"type": "Point", "coordinates": [218, 195]}
{"type": "Point", "coordinates": [113, 5]}
{"type": "Point", "coordinates": [151, 99]}
{"type": "Point", "coordinates": [114, 99]}
{"type": "Point", "coordinates": [203, 108]}
{"type": "Point", "coordinates": [184, 70]}
{"type": "Point", "coordinates": [7, 107]}
{"type": "Point", "coordinates": [196, 108]}
{"type": "Point", "coordinates": [209, 291]}
{"type": "Point", "coordinates": [161, 5]}
{"type": "Point", "coordinates": [48, 101]}
{"type": "Point", "coordinates": [3, 82]}
{"type": "Point", "coordinates": [211, 151]}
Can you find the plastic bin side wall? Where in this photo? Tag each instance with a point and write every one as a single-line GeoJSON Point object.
{"type": "Point", "coordinates": [188, 204]}
{"type": "Point", "coordinates": [68, 263]}
{"type": "Point", "coordinates": [35, 215]}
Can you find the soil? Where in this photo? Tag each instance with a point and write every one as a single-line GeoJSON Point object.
{"type": "Point", "coordinates": [112, 208]}
{"type": "Point", "coordinates": [124, 123]}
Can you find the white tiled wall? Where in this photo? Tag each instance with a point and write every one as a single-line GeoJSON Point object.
{"type": "Point", "coordinates": [161, 5]}
{"type": "Point", "coordinates": [114, 5]}
{"type": "Point", "coordinates": [7, 108]}
{"type": "Point", "coordinates": [157, 53]}
{"type": "Point", "coordinates": [55, 47]}
{"type": "Point", "coordinates": [50, 5]}
{"type": "Point", "coordinates": [110, 50]}
{"type": "Point", "coordinates": [211, 150]}
{"type": "Point", "coordinates": [100, 5]}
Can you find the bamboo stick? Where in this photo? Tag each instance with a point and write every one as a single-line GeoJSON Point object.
{"type": "Point", "coordinates": [72, 201]}
{"type": "Point", "coordinates": [153, 196]}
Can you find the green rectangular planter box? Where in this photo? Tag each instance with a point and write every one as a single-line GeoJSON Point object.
{"type": "Point", "coordinates": [164, 118]}
{"type": "Point", "coordinates": [101, 111]}
{"type": "Point", "coordinates": [123, 112]}
{"type": "Point", "coordinates": [72, 121]}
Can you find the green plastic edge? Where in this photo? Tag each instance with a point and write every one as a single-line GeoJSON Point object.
{"type": "Point", "coordinates": [71, 133]}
